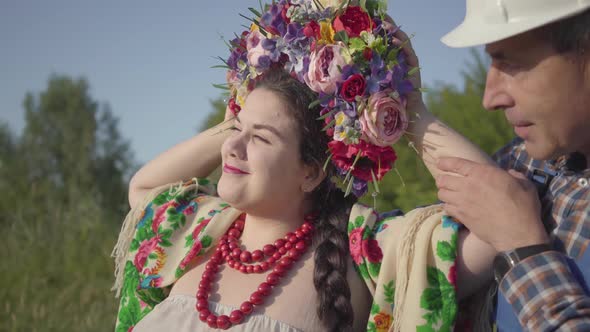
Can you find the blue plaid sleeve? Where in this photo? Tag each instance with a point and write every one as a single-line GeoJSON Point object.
{"type": "Point", "coordinates": [545, 295]}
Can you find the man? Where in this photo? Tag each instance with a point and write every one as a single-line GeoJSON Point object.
{"type": "Point", "coordinates": [540, 78]}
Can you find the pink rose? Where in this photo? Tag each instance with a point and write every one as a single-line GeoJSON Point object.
{"type": "Point", "coordinates": [372, 251]}
{"type": "Point", "coordinates": [354, 242]}
{"type": "Point", "coordinates": [325, 64]}
{"type": "Point", "coordinates": [191, 255]}
{"type": "Point", "coordinates": [384, 121]}
{"type": "Point", "coordinates": [254, 47]}
{"type": "Point", "coordinates": [145, 249]}
{"type": "Point", "coordinates": [160, 214]}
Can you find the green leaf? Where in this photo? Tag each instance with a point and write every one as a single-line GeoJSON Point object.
{"type": "Point", "coordinates": [358, 221]}
{"type": "Point", "coordinates": [206, 241]}
{"type": "Point", "coordinates": [254, 11]}
{"type": "Point", "coordinates": [389, 292]}
{"type": "Point", "coordinates": [134, 245]}
{"type": "Point", "coordinates": [431, 299]}
{"type": "Point", "coordinates": [166, 243]}
{"type": "Point", "coordinates": [221, 86]}
{"type": "Point", "coordinates": [445, 251]}
{"type": "Point", "coordinates": [375, 309]}
{"type": "Point", "coordinates": [371, 327]}
{"type": "Point", "coordinates": [357, 44]}
{"type": "Point", "coordinates": [374, 269]}
{"type": "Point", "coordinates": [152, 256]}
{"type": "Point", "coordinates": [220, 66]}
{"type": "Point", "coordinates": [341, 36]}
{"type": "Point", "coordinates": [424, 328]}
{"type": "Point", "coordinates": [363, 270]}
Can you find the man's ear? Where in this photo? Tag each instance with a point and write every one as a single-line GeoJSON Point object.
{"type": "Point", "coordinates": [314, 175]}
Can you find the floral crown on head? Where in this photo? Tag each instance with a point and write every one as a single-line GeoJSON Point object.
{"type": "Point", "coordinates": [345, 52]}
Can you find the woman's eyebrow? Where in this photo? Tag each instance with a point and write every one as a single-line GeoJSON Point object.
{"type": "Point", "coordinates": [269, 128]}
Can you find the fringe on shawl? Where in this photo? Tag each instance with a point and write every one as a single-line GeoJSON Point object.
{"type": "Point", "coordinates": [404, 262]}
{"type": "Point", "coordinates": [484, 304]}
{"type": "Point", "coordinates": [121, 249]}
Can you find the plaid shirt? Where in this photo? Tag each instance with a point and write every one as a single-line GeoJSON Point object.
{"type": "Point", "coordinates": [542, 289]}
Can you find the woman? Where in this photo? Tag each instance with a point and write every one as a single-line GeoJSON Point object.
{"type": "Point", "coordinates": [198, 260]}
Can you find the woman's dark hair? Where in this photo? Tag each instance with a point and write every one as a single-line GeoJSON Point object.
{"type": "Point", "coordinates": [331, 254]}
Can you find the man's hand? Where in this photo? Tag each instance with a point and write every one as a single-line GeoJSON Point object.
{"type": "Point", "coordinates": [501, 208]}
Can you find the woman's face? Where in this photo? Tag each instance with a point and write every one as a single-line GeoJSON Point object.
{"type": "Point", "coordinates": [262, 167]}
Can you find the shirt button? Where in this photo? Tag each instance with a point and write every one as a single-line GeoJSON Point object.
{"type": "Point", "coordinates": [583, 182]}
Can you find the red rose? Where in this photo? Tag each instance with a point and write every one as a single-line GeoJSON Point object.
{"type": "Point", "coordinates": [284, 13]}
{"type": "Point", "coordinates": [368, 54]}
{"type": "Point", "coordinates": [352, 87]}
{"type": "Point", "coordinates": [312, 29]}
{"type": "Point", "coordinates": [353, 21]}
{"type": "Point", "coordinates": [453, 275]}
{"type": "Point", "coordinates": [372, 251]}
{"type": "Point", "coordinates": [378, 159]}
{"type": "Point", "coordinates": [354, 244]}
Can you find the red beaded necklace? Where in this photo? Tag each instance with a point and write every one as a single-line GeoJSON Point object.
{"type": "Point", "coordinates": [279, 256]}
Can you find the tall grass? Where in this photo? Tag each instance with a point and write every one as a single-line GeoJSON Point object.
{"type": "Point", "coordinates": [56, 270]}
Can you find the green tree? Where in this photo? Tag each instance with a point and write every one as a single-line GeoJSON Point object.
{"type": "Point", "coordinates": [62, 199]}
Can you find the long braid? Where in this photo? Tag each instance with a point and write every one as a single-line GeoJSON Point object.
{"type": "Point", "coordinates": [331, 264]}
{"type": "Point", "coordinates": [332, 251]}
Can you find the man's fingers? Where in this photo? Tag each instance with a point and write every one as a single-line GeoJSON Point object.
{"type": "Point", "coordinates": [456, 165]}
{"type": "Point", "coordinates": [517, 175]}
{"type": "Point", "coordinates": [450, 182]}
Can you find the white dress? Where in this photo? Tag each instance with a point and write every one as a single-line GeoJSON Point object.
{"type": "Point", "coordinates": [177, 313]}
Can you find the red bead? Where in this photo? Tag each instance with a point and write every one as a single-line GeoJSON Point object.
{"type": "Point", "coordinates": [286, 262]}
{"type": "Point", "coordinates": [243, 269]}
{"type": "Point", "coordinates": [202, 295]}
{"type": "Point", "coordinates": [257, 298]}
{"type": "Point", "coordinates": [301, 246]}
{"type": "Point", "coordinates": [256, 269]}
{"type": "Point", "coordinates": [282, 251]}
{"type": "Point", "coordinates": [300, 235]}
{"type": "Point", "coordinates": [202, 304]}
{"type": "Point", "coordinates": [224, 247]}
{"type": "Point", "coordinates": [288, 245]}
{"type": "Point", "coordinates": [294, 254]}
{"type": "Point", "coordinates": [232, 246]}
{"type": "Point", "coordinates": [264, 288]}
{"type": "Point", "coordinates": [236, 317]}
{"type": "Point", "coordinates": [212, 321]}
{"type": "Point", "coordinates": [280, 270]}
{"type": "Point", "coordinates": [293, 239]}
{"type": "Point", "coordinates": [249, 269]}
{"type": "Point", "coordinates": [306, 231]}
{"type": "Point", "coordinates": [269, 249]}
{"type": "Point", "coordinates": [273, 278]}
{"type": "Point", "coordinates": [257, 255]}
{"type": "Point", "coordinates": [271, 261]}
{"type": "Point", "coordinates": [211, 267]}
{"type": "Point", "coordinates": [279, 243]}
{"type": "Point", "coordinates": [225, 254]}
{"type": "Point", "coordinates": [204, 314]}
{"type": "Point", "coordinates": [246, 256]}
{"type": "Point", "coordinates": [264, 266]}
{"type": "Point", "coordinates": [236, 253]}
{"type": "Point", "coordinates": [234, 232]}
{"type": "Point", "coordinates": [239, 225]}
{"type": "Point", "coordinates": [204, 285]}
{"type": "Point", "coordinates": [246, 307]}
{"type": "Point", "coordinates": [223, 322]}
{"type": "Point", "coordinates": [288, 236]}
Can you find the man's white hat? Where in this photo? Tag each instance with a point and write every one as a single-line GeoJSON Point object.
{"type": "Point", "coordinates": [487, 21]}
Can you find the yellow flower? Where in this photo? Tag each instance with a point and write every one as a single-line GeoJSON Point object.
{"type": "Point", "coordinates": [382, 322]}
{"type": "Point", "coordinates": [326, 32]}
{"type": "Point", "coordinates": [340, 118]}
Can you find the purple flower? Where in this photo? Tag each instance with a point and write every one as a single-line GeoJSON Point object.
{"type": "Point", "coordinates": [359, 187]}
{"type": "Point", "coordinates": [273, 22]}
{"type": "Point", "coordinates": [294, 33]}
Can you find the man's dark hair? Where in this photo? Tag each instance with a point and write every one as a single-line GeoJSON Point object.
{"type": "Point", "coordinates": [569, 35]}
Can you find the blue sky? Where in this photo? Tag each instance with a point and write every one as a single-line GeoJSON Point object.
{"type": "Point", "coordinates": [151, 60]}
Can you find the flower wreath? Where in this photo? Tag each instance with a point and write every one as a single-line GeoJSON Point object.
{"type": "Point", "coordinates": [344, 51]}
